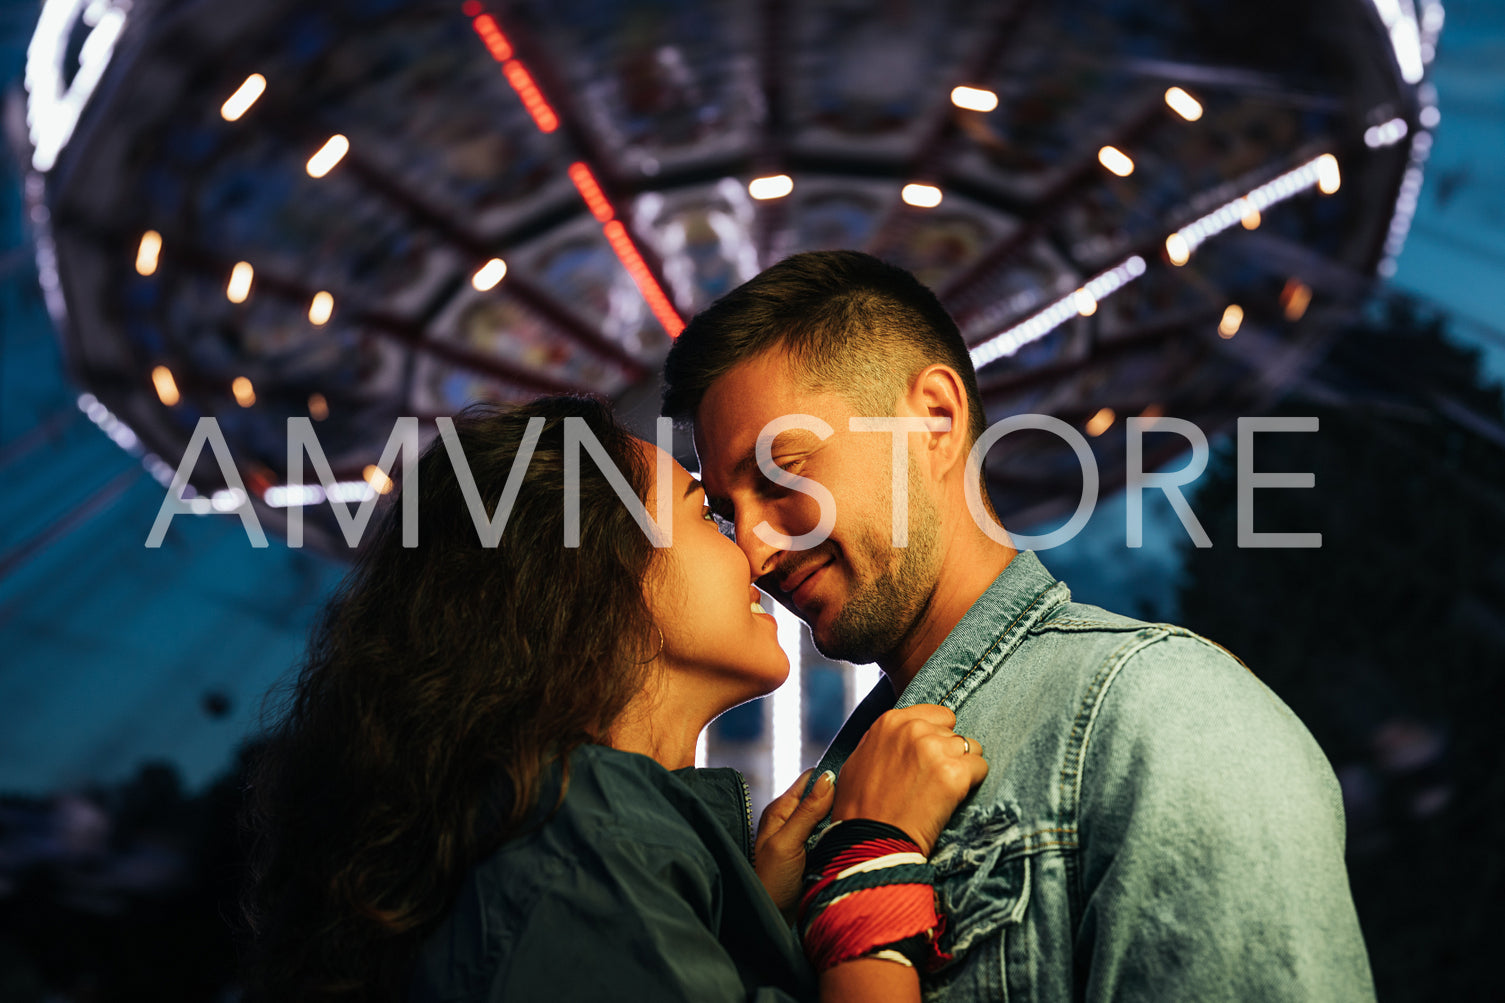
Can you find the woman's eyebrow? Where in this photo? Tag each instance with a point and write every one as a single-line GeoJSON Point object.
{"type": "Point", "coordinates": [691, 489]}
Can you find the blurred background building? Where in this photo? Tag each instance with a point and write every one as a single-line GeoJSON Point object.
{"type": "Point", "coordinates": [362, 209]}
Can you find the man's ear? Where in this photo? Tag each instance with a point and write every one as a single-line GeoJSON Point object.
{"type": "Point", "coordinates": [937, 391]}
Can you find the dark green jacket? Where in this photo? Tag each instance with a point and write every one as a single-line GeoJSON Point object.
{"type": "Point", "coordinates": [639, 887]}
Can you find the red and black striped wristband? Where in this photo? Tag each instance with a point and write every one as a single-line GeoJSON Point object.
{"type": "Point", "coordinates": [869, 892]}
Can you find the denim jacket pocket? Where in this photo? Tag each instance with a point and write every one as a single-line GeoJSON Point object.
{"type": "Point", "coordinates": [982, 887]}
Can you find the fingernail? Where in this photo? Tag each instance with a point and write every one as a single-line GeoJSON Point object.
{"type": "Point", "coordinates": [825, 781]}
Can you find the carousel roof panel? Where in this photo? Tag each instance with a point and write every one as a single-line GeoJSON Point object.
{"type": "Point", "coordinates": [527, 197]}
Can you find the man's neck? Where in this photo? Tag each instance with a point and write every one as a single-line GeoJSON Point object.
{"type": "Point", "coordinates": [968, 568]}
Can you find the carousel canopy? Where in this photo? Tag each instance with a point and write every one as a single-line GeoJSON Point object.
{"type": "Point", "coordinates": [359, 210]}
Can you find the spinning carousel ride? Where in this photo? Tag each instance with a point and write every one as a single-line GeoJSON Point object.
{"type": "Point", "coordinates": [364, 209]}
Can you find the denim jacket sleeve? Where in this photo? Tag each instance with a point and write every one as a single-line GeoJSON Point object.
{"type": "Point", "coordinates": [1212, 864]}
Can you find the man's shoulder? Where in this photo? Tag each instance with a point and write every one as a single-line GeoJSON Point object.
{"type": "Point", "coordinates": [1081, 671]}
{"type": "Point", "coordinates": [1100, 662]}
{"type": "Point", "coordinates": [1079, 627]}
{"type": "Point", "coordinates": [1181, 705]}
{"type": "Point", "coordinates": [1077, 617]}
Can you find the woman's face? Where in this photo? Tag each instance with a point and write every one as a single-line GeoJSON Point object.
{"type": "Point", "coordinates": [700, 591]}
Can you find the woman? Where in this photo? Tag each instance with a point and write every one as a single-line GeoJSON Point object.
{"type": "Point", "coordinates": [468, 795]}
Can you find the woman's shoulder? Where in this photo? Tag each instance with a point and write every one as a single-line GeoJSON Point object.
{"type": "Point", "coordinates": [563, 875]}
{"type": "Point", "coordinates": [618, 830]}
{"type": "Point", "coordinates": [630, 795]}
{"type": "Point", "coordinates": [633, 790]}
{"type": "Point", "coordinates": [613, 803]}
{"type": "Point", "coordinates": [617, 809]}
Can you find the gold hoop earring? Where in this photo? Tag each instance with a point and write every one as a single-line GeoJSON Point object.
{"type": "Point", "coordinates": [660, 650]}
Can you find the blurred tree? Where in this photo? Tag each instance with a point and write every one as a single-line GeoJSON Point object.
{"type": "Point", "coordinates": [1389, 640]}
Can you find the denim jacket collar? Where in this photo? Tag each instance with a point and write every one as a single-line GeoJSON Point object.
{"type": "Point", "coordinates": [1022, 594]}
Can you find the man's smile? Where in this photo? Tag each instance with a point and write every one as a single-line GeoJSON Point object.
{"type": "Point", "coordinates": [799, 584]}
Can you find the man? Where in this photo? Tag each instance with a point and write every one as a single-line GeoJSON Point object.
{"type": "Point", "coordinates": [1155, 823]}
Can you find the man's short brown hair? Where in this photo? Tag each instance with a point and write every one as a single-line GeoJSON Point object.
{"type": "Point", "coordinates": [851, 324]}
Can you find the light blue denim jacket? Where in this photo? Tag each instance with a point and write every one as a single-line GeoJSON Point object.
{"type": "Point", "coordinates": [1155, 824]}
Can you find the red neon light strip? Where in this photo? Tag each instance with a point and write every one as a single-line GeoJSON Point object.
{"type": "Point", "coordinates": [517, 75]}
{"type": "Point", "coordinates": [522, 82]}
{"type": "Point", "coordinates": [496, 42]}
{"type": "Point", "coordinates": [585, 182]}
{"type": "Point", "coordinates": [622, 244]}
{"type": "Point", "coordinates": [595, 200]}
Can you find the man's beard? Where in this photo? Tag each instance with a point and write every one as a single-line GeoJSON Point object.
{"type": "Point", "coordinates": [878, 614]}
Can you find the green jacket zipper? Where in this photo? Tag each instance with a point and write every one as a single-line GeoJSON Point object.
{"type": "Point", "coordinates": [747, 833]}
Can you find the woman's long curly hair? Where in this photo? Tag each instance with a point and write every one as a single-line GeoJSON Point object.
{"type": "Point", "coordinates": [440, 682]}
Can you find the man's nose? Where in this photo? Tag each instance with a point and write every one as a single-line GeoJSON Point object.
{"type": "Point", "coordinates": [762, 557]}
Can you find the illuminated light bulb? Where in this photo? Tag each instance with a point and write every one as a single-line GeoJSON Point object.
{"type": "Point", "coordinates": [1100, 422]}
{"type": "Point", "coordinates": [1386, 134]}
{"type": "Point", "coordinates": [1405, 39]}
{"type": "Point", "coordinates": [1251, 217]}
{"type": "Point", "coordinates": [318, 407]}
{"type": "Point", "coordinates": [167, 387]}
{"type": "Point", "coordinates": [1232, 318]}
{"type": "Point", "coordinates": [350, 491]}
{"type": "Point", "coordinates": [1429, 117]}
{"type": "Point", "coordinates": [1328, 178]}
{"type": "Point", "coordinates": [227, 499]}
{"type": "Point", "coordinates": [1116, 161]}
{"type": "Point", "coordinates": [1177, 249]}
{"type": "Point", "coordinates": [331, 153]}
{"type": "Point", "coordinates": [1295, 298]}
{"type": "Point", "coordinates": [488, 275]}
{"type": "Point", "coordinates": [321, 309]}
{"type": "Point", "coordinates": [245, 394]}
{"type": "Point", "coordinates": [245, 96]}
{"type": "Point", "coordinates": [471, 8]}
{"type": "Point", "coordinates": [240, 282]}
{"type": "Point", "coordinates": [1183, 104]}
{"type": "Point", "coordinates": [59, 78]}
{"type": "Point", "coordinates": [148, 252]}
{"type": "Point", "coordinates": [288, 495]}
{"type": "Point", "coordinates": [921, 196]}
{"type": "Point", "coordinates": [1086, 303]}
{"type": "Point", "coordinates": [773, 187]}
{"type": "Point", "coordinates": [974, 98]}
{"type": "Point", "coordinates": [1152, 411]}
{"type": "Point", "coordinates": [378, 480]}
{"type": "Point", "coordinates": [595, 199]}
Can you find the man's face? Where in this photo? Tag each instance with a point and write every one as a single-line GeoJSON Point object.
{"type": "Point", "coordinates": [859, 594]}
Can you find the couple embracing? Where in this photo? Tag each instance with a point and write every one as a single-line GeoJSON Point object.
{"type": "Point", "coordinates": [481, 786]}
